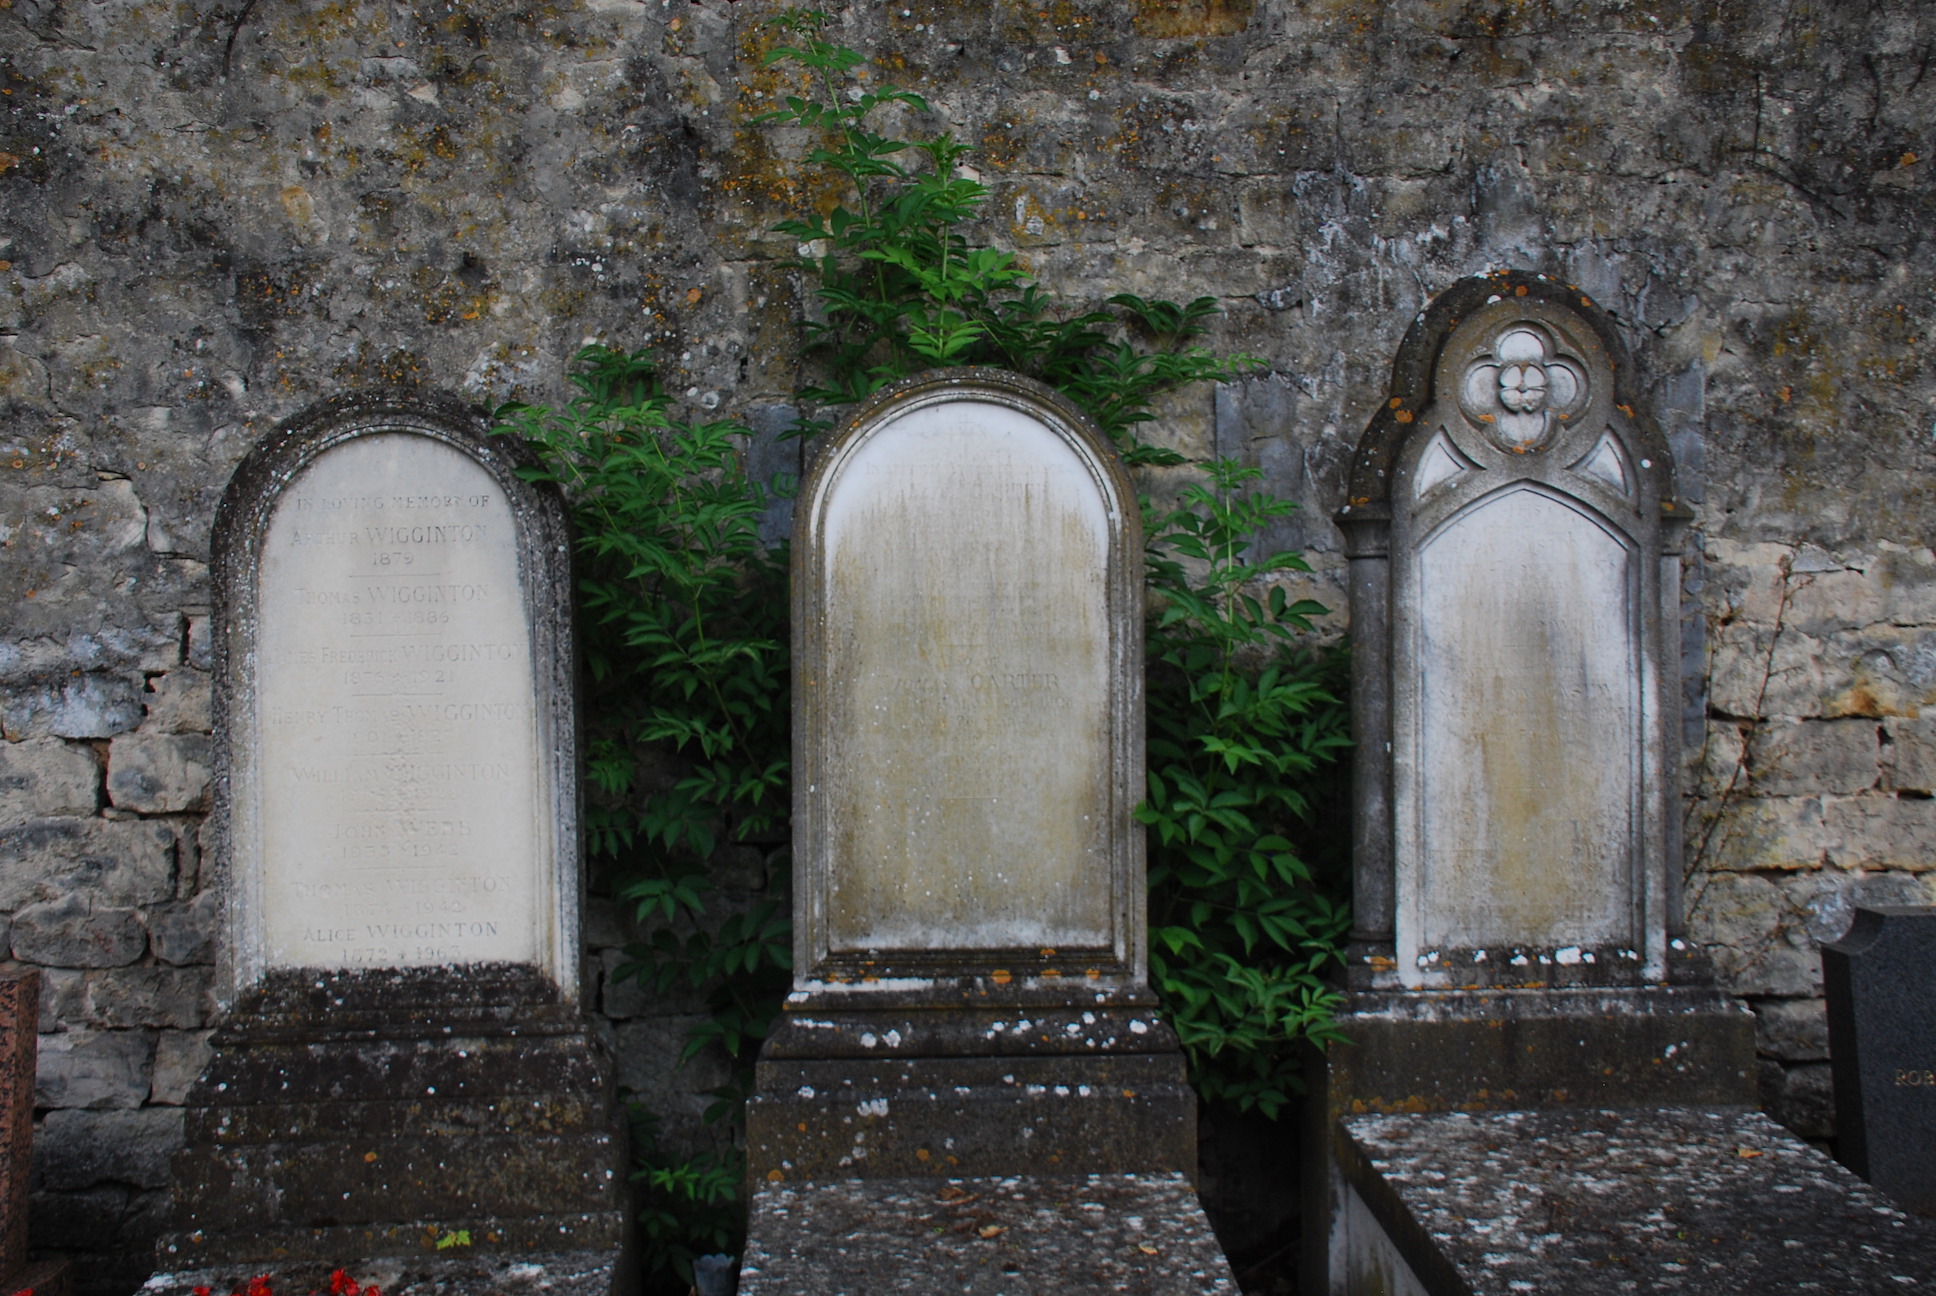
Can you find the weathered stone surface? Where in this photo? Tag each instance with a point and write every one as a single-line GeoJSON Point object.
{"type": "Point", "coordinates": [1029, 1235]}
{"type": "Point", "coordinates": [111, 862]}
{"type": "Point", "coordinates": [1753, 833]}
{"type": "Point", "coordinates": [1883, 832]}
{"type": "Point", "coordinates": [1794, 1030]}
{"type": "Point", "coordinates": [968, 615]}
{"type": "Point", "coordinates": [160, 773]}
{"type": "Point", "coordinates": [80, 1149]}
{"type": "Point", "coordinates": [47, 776]}
{"type": "Point", "coordinates": [180, 1058]}
{"type": "Point", "coordinates": [99, 1069]}
{"type": "Point", "coordinates": [133, 997]}
{"type": "Point", "coordinates": [178, 702]}
{"type": "Point", "coordinates": [75, 933]}
{"type": "Point", "coordinates": [1802, 1098]}
{"type": "Point", "coordinates": [1757, 934]}
{"type": "Point", "coordinates": [535, 1273]}
{"type": "Point", "coordinates": [184, 933]}
{"type": "Point", "coordinates": [86, 706]}
{"type": "Point", "coordinates": [19, 1023]}
{"type": "Point", "coordinates": [1605, 1202]}
{"type": "Point", "coordinates": [1909, 755]}
{"type": "Point", "coordinates": [1809, 757]}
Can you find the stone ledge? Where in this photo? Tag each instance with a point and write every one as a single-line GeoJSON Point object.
{"type": "Point", "coordinates": [558, 1273]}
{"type": "Point", "coordinates": [1030, 1235]}
{"type": "Point", "coordinates": [1687, 1200]}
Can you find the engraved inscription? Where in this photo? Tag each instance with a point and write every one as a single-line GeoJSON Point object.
{"type": "Point", "coordinates": [1915, 1078]}
{"type": "Point", "coordinates": [395, 715]}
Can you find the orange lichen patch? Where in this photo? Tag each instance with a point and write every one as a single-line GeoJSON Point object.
{"type": "Point", "coordinates": [774, 1176]}
{"type": "Point", "coordinates": [692, 296]}
{"type": "Point", "coordinates": [1396, 401]}
{"type": "Point", "coordinates": [1786, 394]}
{"type": "Point", "coordinates": [1048, 953]}
{"type": "Point", "coordinates": [1001, 976]}
{"type": "Point", "coordinates": [1908, 159]}
{"type": "Point", "coordinates": [1093, 973]}
{"type": "Point", "coordinates": [1520, 291]}
{"type": "Point", "coordinates": [1625, 409]}
{"type": "Point", "coordinates": [922, 1154]}
{"type": "Point", "coordinates": [1404, 416]}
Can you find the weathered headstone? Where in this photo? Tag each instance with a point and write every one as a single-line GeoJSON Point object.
{"type": "Point", "coordinates": [1514, 534]}
{"type": "Point", "coordinates": [401, 1058]}
{"type": "Point", "coordinates": [1881, 983]}
{"type": "Point", "coordinates": [970, 988]}
{"type": "Point", "coordinates": [19, 1051]}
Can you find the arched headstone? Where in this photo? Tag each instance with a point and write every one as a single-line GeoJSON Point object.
{"type": "Point", "coordinates": [396, 826]}
{"type": "Point", "coordinates": [970, 950]}
{"type": "Point", "coordinates": [1515, 539]}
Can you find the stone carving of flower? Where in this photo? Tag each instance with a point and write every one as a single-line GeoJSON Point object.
{"type": "Point", "coordinates": [1522, 389]}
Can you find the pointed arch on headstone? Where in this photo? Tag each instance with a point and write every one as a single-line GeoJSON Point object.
{"type": "Point", "coordinates": [1514, 530]}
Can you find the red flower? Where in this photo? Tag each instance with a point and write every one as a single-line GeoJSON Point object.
{"type": "Point", "coordinates": [201, 1291]}
{"type": "Point", "coordinates": [341, 1284]}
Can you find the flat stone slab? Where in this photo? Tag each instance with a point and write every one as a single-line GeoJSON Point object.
{"type": "Point", "coordinates": [1681, 1200]}
{"type": "Point", "coordinates": [559, 1273]}
{"type": "Point", "coordinates": [1032, 1235]}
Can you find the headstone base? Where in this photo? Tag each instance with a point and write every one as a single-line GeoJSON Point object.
{"type": "Point", "coordinates": [348, 1116]}
{"type": "Point", "coordinates": [913, 1117]}
{"type": "Point", "coordinates": [571, 1273]}
{"type": "Point", "coordinates": [1073, 1235]}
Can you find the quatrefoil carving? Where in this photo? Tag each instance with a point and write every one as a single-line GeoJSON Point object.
{"type": "Point", "coordinates": [1523, 388]}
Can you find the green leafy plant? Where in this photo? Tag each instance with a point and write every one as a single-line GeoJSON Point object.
{"type": "Point", "coordinates": [684, 628]}
{"type": "Point", "coordinates": [1241, 719]}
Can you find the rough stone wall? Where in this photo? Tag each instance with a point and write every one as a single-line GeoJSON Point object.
{"type": "Point", "coordinates": [213, 212]}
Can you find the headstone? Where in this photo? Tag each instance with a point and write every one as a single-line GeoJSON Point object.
{"type": "Point", "coordinates": [401, 1057]}
{"type": "Point", "coordinates": [1514, 535]}
{"type": "Point", "coordinates": [1881, 983]}
{"type": "Point", "coordinates": [19, 1052]}
{"type": "Point", "coordinates": [970, 985]}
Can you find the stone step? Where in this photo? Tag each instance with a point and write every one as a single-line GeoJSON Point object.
{"type": "Point", "coordinates": [595, 1240]}
{"type": "Point", "coordinates": [401, 1069]}
{"type": "Point", "coordinates": [299, 1122]}
{"type": "Point", "coordinates": [356, 1180]}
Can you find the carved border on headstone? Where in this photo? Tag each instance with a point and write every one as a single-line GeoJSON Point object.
{"type": "Point", "coordinates": [1506, 382]}
{"type": "Point", "coordinates": [1119, 967]}
{"type": "Point", "coordinates": [543, 548]}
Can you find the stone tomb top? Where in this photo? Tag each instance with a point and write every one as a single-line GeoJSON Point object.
{"type": "Point", "coordinates": [968, 685]}
{"type": "Point", "coordinates": [396, 704]}
{"type": "Point", "coordinates": [1881, 983]}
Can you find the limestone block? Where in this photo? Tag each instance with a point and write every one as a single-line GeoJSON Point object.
{"type": "Point", "coordinates": [1823, 602]}
{"type": "Point", "coordinates": [91, 705]}
{"type": "Point", "coordinates": [149, 996]}
{"type": "Point", "coordinates": [1711, 767]}
{"type": "Point", "coordinates": [46, 776]}
{"type": "Point", "coordinates": [184, 933]}
{"type": "Point", "coordinates": [63, 996]}
{"type": "Point", "coordinates": [76, 1148]}
{"type": "Point", "coordinates": [1800, 1097]}
{"type": "Point", "coordinates": [1756, 934]}
{"type": "Point", "coordinates": [1759, 833]}
{"type": "Point", "coordinates": [1794, 1030]}
{"type": "Point", "coordinates": [1879, 670]}
{"type": "Point", "coordinates": [1829, 898]}
{"type": "Point", "coordinates": [73, 932]}
{"type": "Point", "coordinates": [124, 862]}
{"type": "Point", "coordinates": [1810, 757]}
{"type": "Point", "coordinates": [1755, 673]}
{"type": "Point", "coordinates": [178, 702]}
{"type": "Point", "coordinates": [1883, 832]}
{"type": "Point", "coordinates": [1909, 755]}
{"type": "Point", "coordinates": [82, 1221]}
{"type": "Point", "coordinates": [1908, 580]}
{"type": "Point", "coordinates": [95, 1069]}
{"type": "Point", "coordinates": [163, 773]}
{"type": "Point", "coordinates": [180, 1057]}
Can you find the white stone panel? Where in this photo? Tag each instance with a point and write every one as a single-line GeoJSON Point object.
{"type": "Point", "coordinates": [1528, 734]}
{"type": "Point", "coordinates": [965, 555]}
{"type": "Point", "coordinates": [398, 790]}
